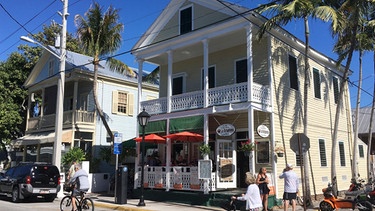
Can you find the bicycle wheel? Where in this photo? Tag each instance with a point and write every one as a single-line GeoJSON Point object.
{"type": "Point", "coordinates": [87, 204]}
{"type": "Point", "coordinates": [66, 203]}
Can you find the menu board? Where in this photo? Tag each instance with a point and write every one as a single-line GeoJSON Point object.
{"type": "Point", "coordinates": [226, 170]}
{"type": "Point", "coordinates": [204, 169]}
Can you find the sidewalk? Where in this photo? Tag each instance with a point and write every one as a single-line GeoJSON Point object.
{"type": "Point", "coordinates": [131, 205]}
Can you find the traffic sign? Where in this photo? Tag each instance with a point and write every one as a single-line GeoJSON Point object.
{"type": "Point", "coordinates": [117, 143]}
{"type": "Point", "coordinates": [296, 140]}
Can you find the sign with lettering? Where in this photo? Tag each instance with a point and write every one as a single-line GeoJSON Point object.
{"type": "Point", "coordinates": [225, 130]}
{"type": "Point", "coordinates": [204, 169]}
{"type": "Point", "coordinates": [263, 131]}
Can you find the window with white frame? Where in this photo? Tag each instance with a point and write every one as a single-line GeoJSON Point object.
{"type": "Point", "coordinates": [361, 151]}
{"type": "Point", "coordinates": [122, 103]}
{"type": "Point", "coordinates": [186, 20]}
{"type": "Point", "coordinates": [241, 71]}
{"type": "Point", "coordinates": [211, 77]}
{"type": "Point", "coordinates": [322, 152]}
{"type": "Point", "coordinates": [293, 72]}
{"type": "Point", "coordinates": [342, 154]}
{"type": "Point", "coordinates": [317, 83]}
{"type": "Point", "coordinates": [178, 83]}
{"type": "Point", "coordinates": [336, 89]}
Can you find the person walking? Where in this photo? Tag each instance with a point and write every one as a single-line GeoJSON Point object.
{"type": "Point", "coordinates": [252, 196]}
{"type": "Point", "coordinates": [262, 182]}
{"type": "Point", "coordinates": [290, 186]}
{"type": "Point", "coordinates": [80, 180]}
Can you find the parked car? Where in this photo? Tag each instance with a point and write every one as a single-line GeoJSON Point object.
{"type": "Point", "coordinates": [28, 180]}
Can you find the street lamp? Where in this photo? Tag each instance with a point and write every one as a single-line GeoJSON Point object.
{"type": "Point", "coordinates": [143, 118]}
{"type": "Point", "coordinates": [56, 160]}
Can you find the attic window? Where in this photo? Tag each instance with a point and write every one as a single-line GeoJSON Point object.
{"type": "Point", "coordinates": [51, 65]}
{"type": "Point", "coordinates": [186, 20]}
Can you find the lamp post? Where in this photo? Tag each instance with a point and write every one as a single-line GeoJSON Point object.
{"type": "Point", "coordinates": [56, 160]}
{"type": "Point", "coordinates": [143, 118]}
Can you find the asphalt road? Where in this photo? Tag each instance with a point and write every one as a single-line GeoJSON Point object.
{"type": "Point", "coordinates": [37, 205]}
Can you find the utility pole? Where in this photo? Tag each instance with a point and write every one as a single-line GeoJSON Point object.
{"type": "Point", "coordinates": [60, 91]}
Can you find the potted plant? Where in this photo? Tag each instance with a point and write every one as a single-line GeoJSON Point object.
{"type": "Point", "coordinates": [204, 149]}
{"type": "Point", "coordinates": [279, 150]}
{"type": "Point", "coordinates": [247, 147]}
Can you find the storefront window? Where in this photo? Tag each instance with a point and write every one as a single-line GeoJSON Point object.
{"type": "Point", "coordinates": [46, 152]}
{"type": "Point", "coordinates": [263, 152]}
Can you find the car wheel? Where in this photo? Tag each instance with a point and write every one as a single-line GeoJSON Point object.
{"type": "Point", "coordinates": [50, 198]}
{"type": "Point", "coordinates": [15, 194]}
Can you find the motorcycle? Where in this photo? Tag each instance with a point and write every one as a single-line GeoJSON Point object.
{"type": "Point", "coordinates": [330, 202]}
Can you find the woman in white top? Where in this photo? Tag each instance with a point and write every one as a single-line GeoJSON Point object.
{"type": "Point", "coordinates": [252, 196]}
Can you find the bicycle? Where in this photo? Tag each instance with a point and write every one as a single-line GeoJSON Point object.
{"type": "Point", "coordinates": [82, 203]}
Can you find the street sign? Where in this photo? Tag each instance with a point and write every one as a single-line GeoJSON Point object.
{"type": "Point", "coordinates": [116, 143]}
{"type": "Point", "coordinates": [296, 140]}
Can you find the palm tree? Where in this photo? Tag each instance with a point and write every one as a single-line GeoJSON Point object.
{"type": "Point", "coordinates": [285, 11]}
{"type": "Point", "coordinates": [100, 36]}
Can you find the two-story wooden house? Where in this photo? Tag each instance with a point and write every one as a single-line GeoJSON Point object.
{"type": "Point", "coordinates": [82, 127]}
{"type": "Point", "coordinates": [217, 79]}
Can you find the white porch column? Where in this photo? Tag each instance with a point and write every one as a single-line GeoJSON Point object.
{"type": "Point", "coordinates": [249, 35]}
{"type": "Point", "coordinates": [205, 73]}
{"type": "Point", "coordinates": [138, 160]}
{"type": "Point", "coordinates": [169, 85]}
{"type": "Point", "coordinates": [206, 186]}
{"type": "Point", "coordinates": [168, 160]}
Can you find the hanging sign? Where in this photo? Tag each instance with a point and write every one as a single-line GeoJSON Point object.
{"type": "Point", "coordinates": [225, 130]}
{"type": "Point", "coordinates": [263, 131]}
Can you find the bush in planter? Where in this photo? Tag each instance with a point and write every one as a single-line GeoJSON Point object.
{"type": "Point", "coordinates": [204, 149]}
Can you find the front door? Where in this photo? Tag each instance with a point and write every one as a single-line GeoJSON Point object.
{"type": "Point", "coordinates": [226, 164]}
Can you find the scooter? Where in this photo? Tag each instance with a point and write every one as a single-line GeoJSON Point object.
{"type": "Point", "coordinates": [330, 202]}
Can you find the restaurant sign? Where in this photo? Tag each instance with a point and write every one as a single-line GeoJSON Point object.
{"type": "Point", "coordinates": [225, 130]}
{"type": "Point", "coordinates": [263, 131]}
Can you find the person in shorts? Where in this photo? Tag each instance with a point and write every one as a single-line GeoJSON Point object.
{"type": "Point", "coordinates": [81, 181]}
{"type": "Point", "coordinates": [290, 186]}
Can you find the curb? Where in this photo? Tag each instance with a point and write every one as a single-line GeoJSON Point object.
{"type": "Point", "coordinates": [117, 206]}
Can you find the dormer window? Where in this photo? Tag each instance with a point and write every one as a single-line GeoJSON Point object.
{"type": "Point", "coordinates": [186, 20]}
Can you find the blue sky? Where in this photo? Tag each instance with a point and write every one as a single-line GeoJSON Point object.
{"type": "Point", "coordinates": [19, 17]}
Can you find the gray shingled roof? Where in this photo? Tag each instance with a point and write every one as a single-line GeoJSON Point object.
{"type": "Point", "coordinates": [364, 120]}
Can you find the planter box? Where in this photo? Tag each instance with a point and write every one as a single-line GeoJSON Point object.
{"type": "Point", "coordinates": [159, 185]}
{"type": "Point", "coordinates": [195, 186]}
{"type": "Point", "coordinates": [177, 186]}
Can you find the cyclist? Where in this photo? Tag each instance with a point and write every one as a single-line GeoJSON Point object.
{"type": "Point", "coordinates": [80, 182]}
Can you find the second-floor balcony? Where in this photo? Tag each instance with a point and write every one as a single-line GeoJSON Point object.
{"type": "Point", "coordinates": [69, 118]}
{"type": "Point", "coordinates": [235, 93]}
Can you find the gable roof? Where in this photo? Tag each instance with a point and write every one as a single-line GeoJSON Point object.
{"type": "Point", "coordinates": [76, 61]}
{"type": "Point", "coordinates": [173, 7]}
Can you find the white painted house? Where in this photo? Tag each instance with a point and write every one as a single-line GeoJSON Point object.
{"type": "Point", "coordinates": [214, 71]}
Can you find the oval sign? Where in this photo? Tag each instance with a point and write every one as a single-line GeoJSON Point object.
{"type": "Point", "coordinates": [263, 131]}
{"type": "Point", "coordinates": [225, 130]}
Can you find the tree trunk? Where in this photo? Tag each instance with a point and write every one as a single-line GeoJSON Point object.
{"type": "Point", "coordinates": [307, 192]}
{"type": "Point", "coordinates": [97, 104]}
{"type": "Point", "coordinates": [343, 84]}
{"type": "Point", "coordinates": [358, 105]}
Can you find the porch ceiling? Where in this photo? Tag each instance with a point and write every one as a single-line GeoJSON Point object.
{"type": "Point", "coordinates": [215, 44]}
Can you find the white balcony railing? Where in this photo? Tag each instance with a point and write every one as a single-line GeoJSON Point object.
{"type": "Point", "coordinates": [234, 93]}
{"type": "Point", "coordinates": [48, 121]}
